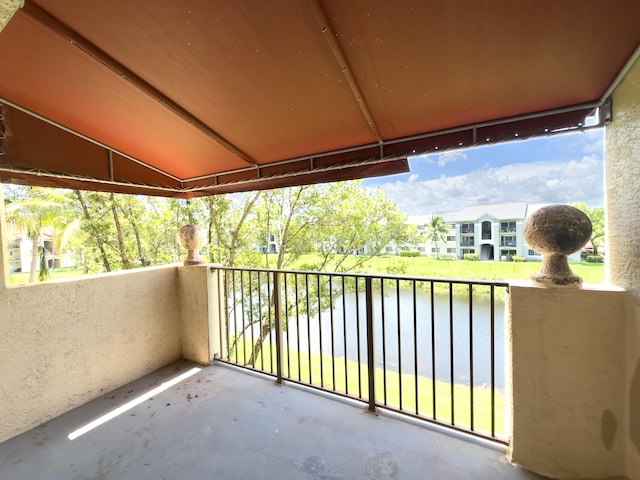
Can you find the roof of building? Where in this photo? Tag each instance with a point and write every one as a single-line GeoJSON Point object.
{"type": "Point", "coordinates": [498, 211]}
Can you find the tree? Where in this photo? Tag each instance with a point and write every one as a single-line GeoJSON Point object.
{"type": "Point", "coordinates": [35, 210]}
{"type": "Point", "coordinates": [231, 228]}
{"type": "Point", "coordinates": [437, 231]}
{"type": "Point", "coordinates": [596, 215]}
{"type": "Point", "coordinates": [336, 220]}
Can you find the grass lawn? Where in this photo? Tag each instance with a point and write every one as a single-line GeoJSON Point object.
{"type": "Point", "coordinates": [461, 269]}
{"type": "Point", "coordinates": [346, 382]}
{"type": "Point", "coordinates": [23, 278]}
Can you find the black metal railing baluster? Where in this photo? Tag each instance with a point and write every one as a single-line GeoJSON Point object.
{"type": "Point", "coordinates": [433, 350]}
{"type": "Point", "coordinates": [451, 355]}
{"type": "Point", "coordinates": [320, 331]}
{"type": "Point", "coordinates": [264, 300]}
{"type": "Point", "coordinates": [344, 333]}
{"type": "Point", "coordinates": [415, 345]}
{"type": "Point", "coordinates": [306, 294]}
{"type": "Point", "coordinates": [399, 344]}
{"type": "Point", "coordinates": [358, 337]}
{"type": "Point", "coordinates": [384, 342]}
{"type": "Point", "coordinates": [278, 327]}
{"type": "Point", "coordinates": [471, 382]}
{"type": "Point", "coordinates": [371, 362]}
{"type": "Point", "coordinates": [333, 347]}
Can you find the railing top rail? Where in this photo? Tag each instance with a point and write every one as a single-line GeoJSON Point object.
{"type": "Point", "coordinates": [457, 281]}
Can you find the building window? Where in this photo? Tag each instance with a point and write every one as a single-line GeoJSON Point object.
{"type": "Point", "coordinates": [451, 238]}
{"type": "Point", "coordinates": [468, 250]}
{"type": "Point", "coordinates": [451, 250]}
{"type": "Point", "coordinates": [467, 242]}
{"type": "Point", "coordinates": [421, 249]}
{"type": "Point", "coordinates": [508, 241]}
{"type": "Point", "coordinates": [467, 227]}
{"type": "Point", "coordinates": [420, 228]}
{"type": "Point", "coordinates": [533, 253]}
{"type": "Point", "coordinates": [486, 230]}
{"type": "Point", "coordinates": [507, 227]}
{"type": "Point", "coordinates": [434, 250]}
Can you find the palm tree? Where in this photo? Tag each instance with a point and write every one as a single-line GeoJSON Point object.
{"type": "Point", "coordinates": [33, 215]}
{"type": "Point", "coordinates": [437, 230]}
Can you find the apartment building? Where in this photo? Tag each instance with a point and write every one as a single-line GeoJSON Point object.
{"type": "Point", "coordinates": [494, 232]}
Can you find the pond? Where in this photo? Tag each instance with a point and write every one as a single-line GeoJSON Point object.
{"type": "Point", "coordinates": [401, 345]}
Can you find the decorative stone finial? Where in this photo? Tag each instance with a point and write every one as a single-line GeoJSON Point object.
{"type": "Point", "coordinates": [191, 237]}
{"type": "Point", "coordinates": [557, 231]}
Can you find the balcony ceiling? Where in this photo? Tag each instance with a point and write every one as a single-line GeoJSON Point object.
{"type": "Point", "coordinates": [196, 97]}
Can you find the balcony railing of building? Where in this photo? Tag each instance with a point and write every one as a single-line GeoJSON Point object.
{"type": "Point", "coordinates": [507, 242]}
{"type": "Point", "coordinates": [467, 242]}
{"type": "Point", "coordinates": [428, 348]}
{"type": "Point", "coordinates": [466, 229]}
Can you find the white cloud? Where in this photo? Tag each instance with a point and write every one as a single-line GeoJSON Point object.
{"type": "Point", "coordinates": [442, 159]}
{"type": "Point", "coordinates": [536, 182]}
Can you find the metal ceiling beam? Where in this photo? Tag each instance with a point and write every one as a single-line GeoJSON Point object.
{"type": "Point", "coordinates": [43, 17]}
{"type": "Point", "coordinates": [330, 36]}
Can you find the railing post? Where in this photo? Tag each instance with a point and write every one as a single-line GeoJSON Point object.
{"type": "Point", "coordinates": [371, 365]}
{"type": "Point", "coordinates": [278, 320]}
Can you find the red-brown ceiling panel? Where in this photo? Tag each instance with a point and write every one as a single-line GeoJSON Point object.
{"type": "Point", "coordinates": [428, 66]}
{"type": "Point", "coordinates": [259, 73]}
{"type": "Point", "coordinates": [205, 91]}
{"type": "Point", "coordinates": [31, 144]}
{"type": "Point", "coordinates": [248, 184]}
{"type": "Point", "coordinates": [61, 82]}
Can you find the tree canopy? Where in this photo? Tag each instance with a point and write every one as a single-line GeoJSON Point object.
{"type": "Point", "coordinates": [114, 231]}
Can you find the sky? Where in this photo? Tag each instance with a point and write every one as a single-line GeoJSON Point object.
{"type": "Point", "coordinates": [563, 168]}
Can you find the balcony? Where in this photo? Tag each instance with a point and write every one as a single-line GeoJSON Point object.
{"type": "Point", "coordinates": [226, 423]}
{"type": "Point", "coordinates": [111, 330]}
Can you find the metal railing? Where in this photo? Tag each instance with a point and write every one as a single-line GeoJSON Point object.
{"type": "Point", "coordinates": [429, 348]}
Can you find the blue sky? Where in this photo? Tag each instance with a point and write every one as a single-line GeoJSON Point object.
{"type": "Point", "coordinates": [563, 168]}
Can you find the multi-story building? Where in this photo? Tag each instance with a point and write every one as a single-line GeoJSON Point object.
{"type": "Point", "coordinates": [494, 232]}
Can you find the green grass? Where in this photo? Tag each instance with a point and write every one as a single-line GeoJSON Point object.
{"type": "Point", "coordinates": [23, 278]}
{"type": "Point", "coordinates": [460, 269]}
{"type": "Point", "coordinates": [310, 373]}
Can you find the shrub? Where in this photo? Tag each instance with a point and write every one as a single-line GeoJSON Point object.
{"type": "Point", "coordinates": [473, 257]}
{"type": "Point", "coordinates": [584, 254]}
{"type": "Point", "coordinates": [594, 258]}
{"type": "Point", "coordinates": [517, 258]}
{"type": "Point", "coordinates": [409, 253]}
{"type": "Point", "coordinates": [399, 268]}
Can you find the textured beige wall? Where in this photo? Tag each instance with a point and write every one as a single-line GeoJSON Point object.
{"type": "Point", "coordinates": [65, 343]}
{"type": "Point", "coordinates": [622, 180]}
{"type": "Point", "coordinates": [193, 286]}
{"type": "Point", "coordinates": [200, 313]}
{"type": "Point", "coordinates": [570, 381]}
{"type": "Point", "coordinates": [622, 185]}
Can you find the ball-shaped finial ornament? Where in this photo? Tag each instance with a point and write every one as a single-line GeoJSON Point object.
{"type": "Point", "coordinates": [557, 231]}
{"type": "Point", "coordinates": [192, 238]}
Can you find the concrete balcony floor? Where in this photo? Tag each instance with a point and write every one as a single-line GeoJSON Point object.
{"type": "Point", "coordinates": [226, 423]}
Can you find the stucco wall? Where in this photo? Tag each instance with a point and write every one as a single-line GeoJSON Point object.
{"type": "Point", "coordinates": [63, 344]}
{"type": "Point", "coordinates": [571, 390]}
{"type": "Point", "coordinates": [622, 184]}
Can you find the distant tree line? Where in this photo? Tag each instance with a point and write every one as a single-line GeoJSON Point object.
{"type": "Point", "coordinates": [108, 232]}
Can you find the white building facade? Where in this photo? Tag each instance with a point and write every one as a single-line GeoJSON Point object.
{"type": "Point", "coordinates": [493, 232]}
